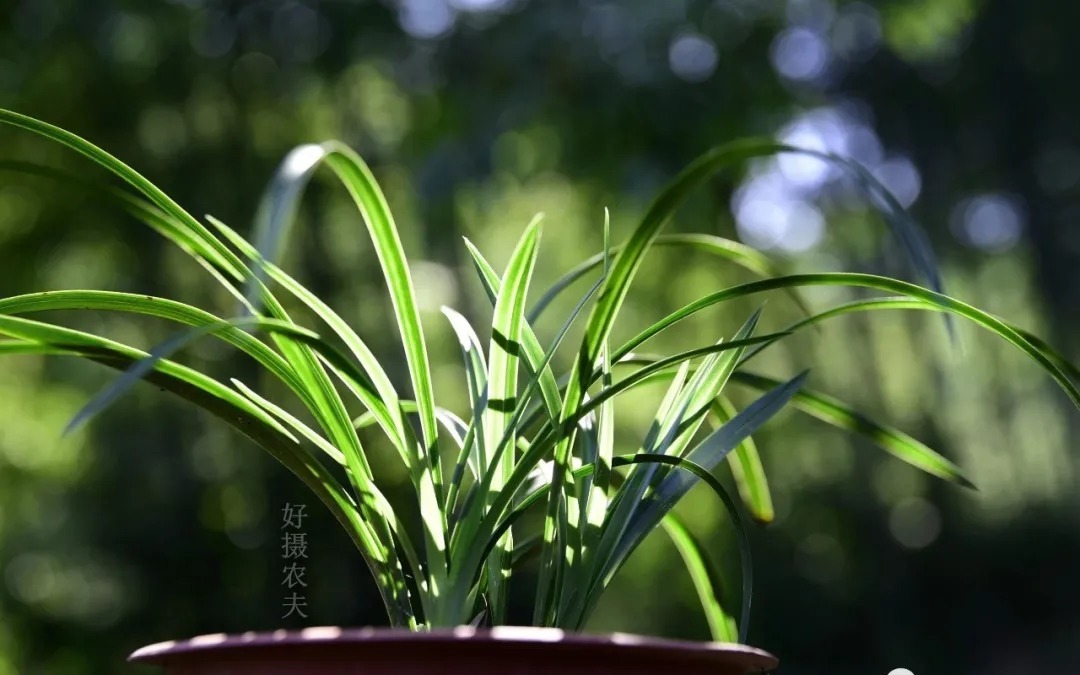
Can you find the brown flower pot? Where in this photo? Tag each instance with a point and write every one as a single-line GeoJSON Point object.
{"type": "Point", "coordinates": [498, 651]}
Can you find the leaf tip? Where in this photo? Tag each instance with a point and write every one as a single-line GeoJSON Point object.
{"type": "Point", "coordinates": [90, 410]}
{"type": "Point", "coordinates": [766, 518]}
{"type": "Point", "coordinates": [72, 426]}
{"type": "Point", "coordinates": [963, 481]}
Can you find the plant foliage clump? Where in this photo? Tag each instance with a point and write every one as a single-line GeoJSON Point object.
{"type": "Point", "coordinates": [533, 439]}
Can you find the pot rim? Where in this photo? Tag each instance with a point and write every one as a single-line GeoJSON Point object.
{"type": "Point", "coordinates": [157, 653]}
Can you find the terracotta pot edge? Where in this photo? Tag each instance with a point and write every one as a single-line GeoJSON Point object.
{"type": "Point", "coordinates": [528, 635]}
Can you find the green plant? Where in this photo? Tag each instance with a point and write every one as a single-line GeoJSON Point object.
{"type": "Point", "coordinates": [538, 441]}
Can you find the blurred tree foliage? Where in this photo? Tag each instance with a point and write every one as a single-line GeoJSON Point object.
{"type": "Point", "coordinates": [475, 114]}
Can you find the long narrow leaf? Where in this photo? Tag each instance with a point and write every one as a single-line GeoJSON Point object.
{"type": "Point", "coordinates": [476, 376]}
{"type": "Point", "coordinates": [708, 454]}
{"type": "Point", "coordinates": [706, 578]}
{"type": "Point", "coordinates": [502, 377]}
{"type": "Point", "coordinates": [893, 441]}
{"type": "Point", "coordinates": [942, 302]}
{"type": "Point", "coordinates": [239, 413]}
{"type": "Point", "coordinates": [125, 172]}
{"type": "Point", "coordinates": [746, 257]}
{"type": "Point", "coordinates": [745, 463]}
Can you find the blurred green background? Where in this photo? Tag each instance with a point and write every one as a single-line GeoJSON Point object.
{"type": "Point", "coordinates": [156, 523]}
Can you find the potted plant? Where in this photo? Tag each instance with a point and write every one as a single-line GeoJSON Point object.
{"type": "Point", "coordinates": [531, 441]}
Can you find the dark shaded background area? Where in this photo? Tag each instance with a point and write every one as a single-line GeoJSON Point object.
{"type": "Point", "coordinates": [475, 114]}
